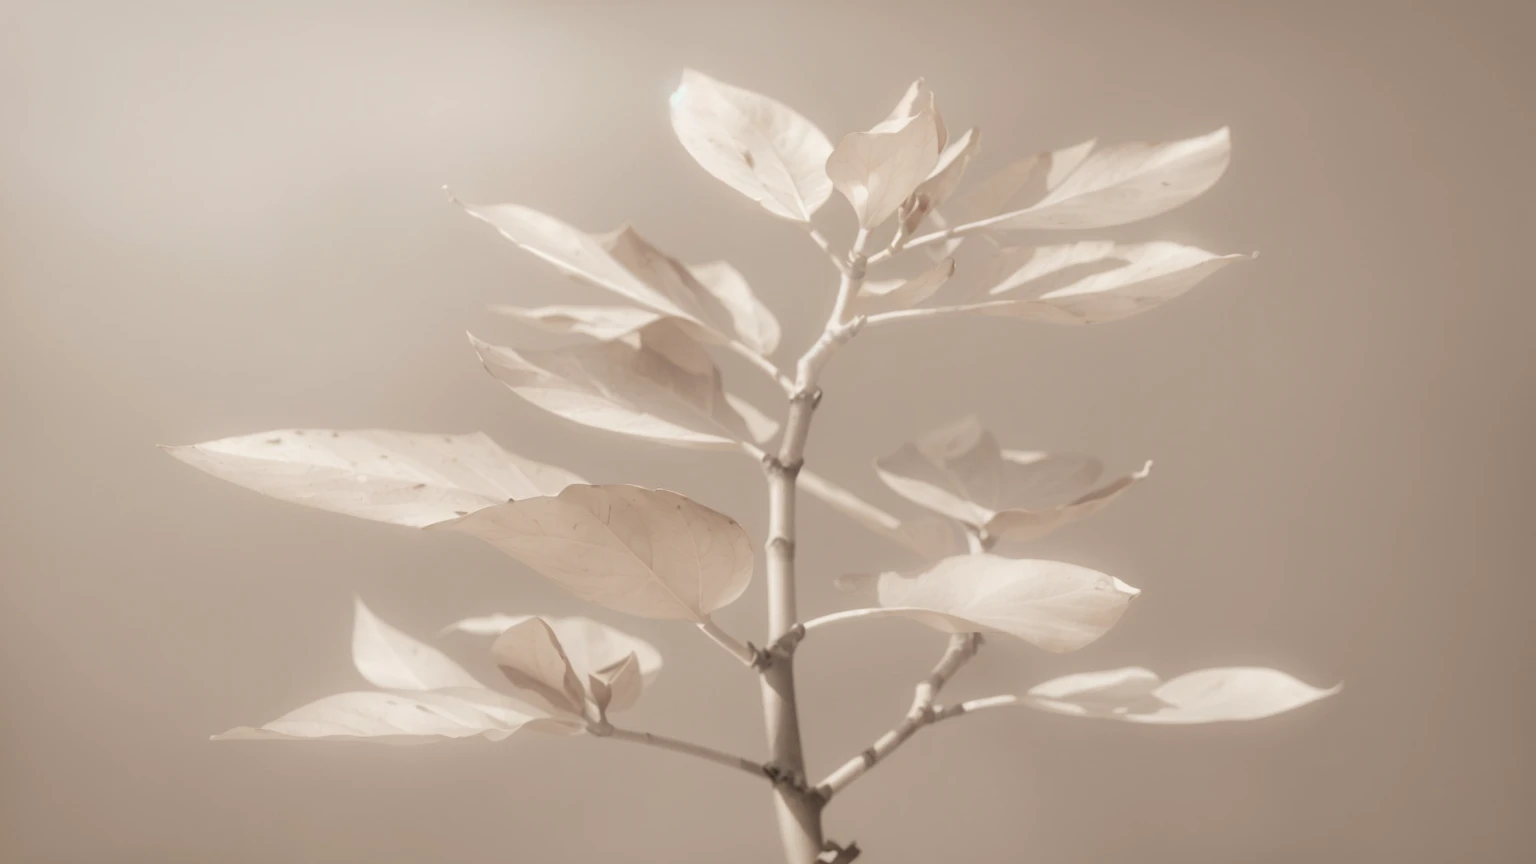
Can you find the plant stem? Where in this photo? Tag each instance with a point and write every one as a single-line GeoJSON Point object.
{"type": "Point", "coordinates": [799, 810]}
{"type": "Point", "coordinates": [730, 643]}
{"type": "Point", "coordinates": [962, 647]}
{"type": "Point", "coordinates": [685, 747]}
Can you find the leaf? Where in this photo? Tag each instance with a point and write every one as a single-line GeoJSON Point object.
{"type": "Point", "coordinates": [530, 656]}
{"type": "Point", "coordinates": [1097, 281]}
{"type": "Point", "coordinates": [644, 552]}
{"type": "Point", "coordinates": [665, 388]}
{"type": "Point", "coordinates": [389, 659]}
{"type": "Point", "coordinates": [948, 171]}
{"type": "Point", "coordinates": [598, 322]}
{"type": "Point", "coordinates": [1037, 478]}
{"type": "Point", "coordinates": [616, 687]}
{"type": "Point", "coordinates": [575, 253]}
{"type": "Point", "coordinates": [404, 478]}
{"type": "Point", "coordinates": [753, 323]}
{"type": "Point", "coordinates": [877, 170]}
{"type": "Point", "coordinates": [1019, 184]}
{"type": "Point", "coordinates": [1022, 524]}
{"type": "Point", "coordinates": [1137, 695]}
{"type": "Point", "coordinates": [956, 470]}
{"type": "Point", "coordinates": [1051, 604]}
{"type": "Point", "coordinates": [754, 144]}
{"type": "Point", "coordinates": [928, 537]}
{"type": "Point", "coordinates": [398, 718]}
{"type": "Point", "coordinates": [592, 649]}
{"type": "Point", "coordinates": [876, 297]}
{"type": "Point", "coordinates": [918, 98]}
{"type": "Point", "coordinates": [1079, 188]}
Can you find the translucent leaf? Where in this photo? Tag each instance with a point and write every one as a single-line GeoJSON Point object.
{"type": "Point", "coordinates": [949, 170]}
{"type": "Point", "coordinates": [918, 98]}
{"type": "Point", "coordinates": [598, 322]}
{"type": "Point", "coordinates": [754, 144]}
{"type": "Point", "coordinates": [592, 648]}
{"type": "Point", "coordinates": [1022, 524]}
{"type": "Point", "coordinates": [401, 718]}
{"type": "Point", "coordinates": [928, 537]}
{"type": "Point", "coordinates": [404, 478]}
{"type": "Point", "coordinates": [1020, 183]}
{"type": "Point", "coordinates": [389, 659]}
{"type": "Point", "coordinates": [529, 654]}
{"type": "Point", "coordinates": [1137, 695]}
{"type": "Point", "coordinates": [662, 386]}
{"type": "Point", "coordinates": [644, 552]}
{"type": "Point", "coordinates": [1051, 604]}
{"type": "Point", "coordinates": [1082, 188]}
{"type": "Point", "coordinates": [877, 170]}
{"type": "Point", "coordinates": [753, 323]}
{"type": "Point", "coordinates": [875, 297]}
{"type": "Point", "coordinates": [616, 687]}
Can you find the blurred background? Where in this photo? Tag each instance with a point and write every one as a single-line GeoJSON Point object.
{"type": "Point", "coordinates": [223, 218]}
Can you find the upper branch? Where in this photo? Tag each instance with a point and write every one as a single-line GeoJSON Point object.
{"type": "Point", "coordinates": [962, 647]}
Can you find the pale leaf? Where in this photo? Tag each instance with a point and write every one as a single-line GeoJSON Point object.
{"type": "Point", "coordinates": [1038, 478]}
{"type": "Point", "coordinates": [644, 552]}
{"type": "Point", "coordinates": [1017, 185]}
{"type": "Point", "coordinates": [391, 660]}
{"type": "Point", "coordinates": [918, 98]}
{"type": "Point", "coordinates": [1117, 184]}
{"type": "Point", "coordinates": [1022, 524]}
{"type": "Point", "coordinates": [665, 388]}
{"type": "Point", "coordinates": [876, 297]}
{"type": "Point", "coordinates": [1136, 695]}
{"type": "Point", "coordinates": [949, 170]}
{"type": "Point", "coordinates": [531, 657]}
{"type": "Point", "coordinates": [598, 322]}
{"type": "Point", "coordinates": [616, 687]}
{"type": "Point", "coordinates": [1051, 604]}
{"type": "Point", "coordinates": [753, 322]}
{"type": "Point", "coordinates": [404, 478]}
{"type": "Point", "coordinates": [400, 718]}
{"type": "Point", "coordinates": [877, 170]}
{"type": "Point", "coordinates": [930, 538]}
{"type": "Point", "coordinates": [754, 144]}
{"type": "Point", "coordinates": [956, 470]}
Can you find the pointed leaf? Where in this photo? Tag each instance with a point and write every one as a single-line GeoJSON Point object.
{"type": "Point", "coordinates": [1051, 604]}
{"type": "Point", "coordinates": [1037, 478]}
{"type": "Point", "coordinates": [665, 388]}
{"type": "Point", "coordinates": [397, 718]}
{"type": "Point", "coordinates": [616, 687]}
{"type": "Point", "coordinates": [644, 552]}
{"type": "Point", "coordinates": [1136, 695]}
{"type": "Point", "coordinates": [404, 478]}
{"type": "Point", "coordinates": [389, 659]}
{"type": "Point", "coordinates": [756, 145]}
{"type": "Point", "coordinates": [530, 655]}
{"type": "Point", "coordinates": [1122, 183]}
{"type": "Point", "coordinates": [878, 169]}
{"type": "Point", "coordinates": [598, 322]}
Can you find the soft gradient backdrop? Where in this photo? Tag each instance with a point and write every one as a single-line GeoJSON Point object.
{"type": "Point", "coordinates": [221, 218]}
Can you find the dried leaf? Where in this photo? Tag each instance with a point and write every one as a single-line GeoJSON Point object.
{"type": "Point", "coordinates": [1137, 695]}
{"type": "Point", "coordinates": [756, 145]}
{"type": "Point", "coordinates": [665, 388]}
{"type": "Point", "coordinates": [644, 552]}
{"type": "Point", "coordinates": [876, 297]}
{"type": "Point", "coordinates": [1051, 604]}
{"type": "Point", "coordinates": [1079, 188]}
{"type": "Point", "coordinates": [404, 478]}
{"type": "Point", "coordinates": [877, 170]}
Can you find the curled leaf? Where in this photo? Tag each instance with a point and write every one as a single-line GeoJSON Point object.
{"type": "Point", "coordinates": [404, 478]}
{"type": "Point", "coordinates": [644, 552]}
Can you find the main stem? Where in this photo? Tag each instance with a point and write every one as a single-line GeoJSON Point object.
{"type": "Point", "coordinates": [797, 806]}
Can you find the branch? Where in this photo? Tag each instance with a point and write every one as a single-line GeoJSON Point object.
{"type": "Point", "coordinates": [754, 768]}
{"type": "Point", "coordinates": [962, 647]}
{"type": "Point", "coordinates": [945, 234]}
{"type": "Point", "coordinates": [974, 705]}
{"type": "Point", "coordinates": [745, 653]}
{"type": "Point", "coordinates": [768, 367]}
{"type": "Point", "coordinates": [816, 236]}
{"type": "Point", "coordinates": [936, 311]}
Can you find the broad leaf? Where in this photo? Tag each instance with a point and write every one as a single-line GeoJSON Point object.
{"type": "Point", "coordinates": [754, 144]}
{"type": "Point", "coordinates": [877, 170]}
{"type": "Point", "coordinates": [662, 386]}
{"type": "Point", "coordinates": [529, 654]}
{"type": "Point", "coordinates": [887, 296]}
{"type": "Point", "coordinates": [404, 478]}
{"type": "Point", "coordinates": [644, 552]}
{"type": "Point", "coordinates": [402, 718]}
{"type": "Point", "coordinates": [1137, 695]}
{"type": "Point", "coordinates": [1051, 604]}
{"type": "Point", "coordinates": [390, 659]}
{"type": "Point", "coordinates": [1079, 187]}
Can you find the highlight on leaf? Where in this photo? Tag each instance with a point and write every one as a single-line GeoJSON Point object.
{"type": "Point", "coordinates": [644, 552]}
{"type": "Point", "coordinates": [1050, 604]}
{"type": "Point", "coordinates": [756, 145]}
{"type": "Point", "coordinates": [403, 478]}
{"type": "Point", "coordinates": [1137, 695]}
{"type": "Point", "coordinates": [424, 696]}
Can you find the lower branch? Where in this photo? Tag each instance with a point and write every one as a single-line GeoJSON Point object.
{"type": "Point", "coordinates": [754, 768]}
{"type": "Point", "coordinates": [962, 647]}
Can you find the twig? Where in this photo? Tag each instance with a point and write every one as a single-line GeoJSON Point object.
{"type": "Point", "coordinates": [974, 705]}
{"type": "Point", "coordinates": [768, 367]}
{"type": "Point", "coordinates": [743, 652]}
{"type": "Point", "coordinates": [962, 647]}
{"type": "Point", "coordinates": [936, 311]}
{"type": "Point", "coordinates": [710, 754]}
{"type": "Point", "coordinates": [826, 247]}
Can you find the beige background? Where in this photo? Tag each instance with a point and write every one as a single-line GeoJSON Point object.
{"type": "Point", "coordinates": [220, 218]}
